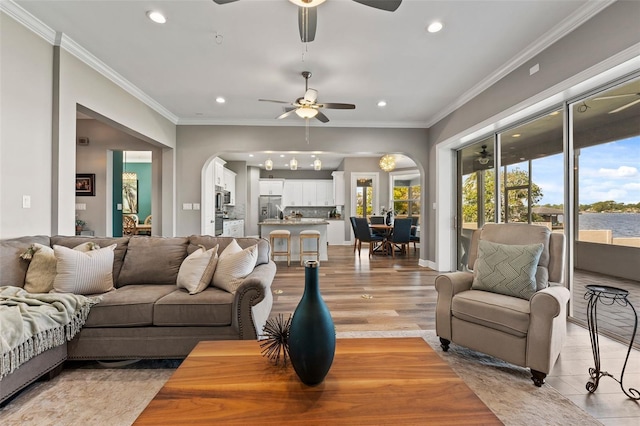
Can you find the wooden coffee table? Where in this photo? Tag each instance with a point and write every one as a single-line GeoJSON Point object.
{"type": "Point", "coordinates": [371, 381]}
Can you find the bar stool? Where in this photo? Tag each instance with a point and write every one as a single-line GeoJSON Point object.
{"type": "Point", "coordinates": [305, 235]}
{"type": "Point", "coordinates": [280, 234]}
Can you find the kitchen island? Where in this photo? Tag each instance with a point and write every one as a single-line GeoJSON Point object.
{"type": "Point", "coordinates": [295, 226]}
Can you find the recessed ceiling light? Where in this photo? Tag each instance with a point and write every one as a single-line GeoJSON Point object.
{"type": "Point", "coordinates": [555, 113]}
{"type": "Point", "coordinates": [281, 155]}
{"type": "Point", "coordinates": [434, 27]}
{"type": "Point", "coordinates": [250, 155]}
{"type": "Point", "coordinates": [313, 155]}
{"type": "Point", "coordinates": [516, 135]}
{"type": "Point", "coordinates": [382, 103]}
{"type": "Point", "coordinates": [156, 16]}
{"type": "Point", "coordinates": [220, 100]}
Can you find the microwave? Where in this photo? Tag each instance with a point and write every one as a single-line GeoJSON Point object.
{"type": "Point", "coordinates": [222, 198]}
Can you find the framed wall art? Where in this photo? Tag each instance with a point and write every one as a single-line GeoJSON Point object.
{"type": "Point", "coordinates": [85, 184]}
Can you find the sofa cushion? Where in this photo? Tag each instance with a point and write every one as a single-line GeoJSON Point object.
{"type": "Point", "coordinates": [211, 307]}
{"type": "Point", "coordinates": [208, 241]}
{"type": "Point", "coordinates": [506, 313]}
{"type": "Point", "coordinates": [508, 269]}
{"type": "Point", "coordinates": [234, 265]}
{"type": "Point", "coordinates": [80, 272]}
{"type": "Point", "coordinates": [129, 306]}
{"type": "Point", "coordinates": [118, 253]}
{"type": "Point", "coordinates": [153, 260]}
{"type": "Point", "coordinates": [43, 266]}
{"type": "Point", "coordinates": [13, 268]}
{"type": "Point", "coordinates": [197, 270]}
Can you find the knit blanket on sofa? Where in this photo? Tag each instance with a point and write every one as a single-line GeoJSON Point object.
{"type": "Point", "coordinates": [32, 323]}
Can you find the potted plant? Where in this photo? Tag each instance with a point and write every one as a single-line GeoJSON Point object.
{"type": "Point", "coordinates": [79, 225]}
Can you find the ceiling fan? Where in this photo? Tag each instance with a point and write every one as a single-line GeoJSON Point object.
{"type": "Point", "coordinates": [308, 14]}
{"type": "Point", "coordinates": [623, 107]}
{"type": "Point", "coordinates": [485, 156]}
{"type": "Point", "coordinates": [307, 106]}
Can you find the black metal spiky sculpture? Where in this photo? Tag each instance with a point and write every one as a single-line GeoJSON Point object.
{"type": "Point", "coordinates": [275, 339]}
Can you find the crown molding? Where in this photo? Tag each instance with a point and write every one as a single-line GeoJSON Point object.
{"type": "Point", "coordinates": [579, 17]}
{"type": "Point", "coordinates": [67, 43]}
{"type": "Point", "coordinates": [28, 20]}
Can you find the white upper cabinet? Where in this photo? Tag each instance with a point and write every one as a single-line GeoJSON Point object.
{"type": "Point", "coordinates": [229, 184]}
{"type": "Point", "coordinates": [292, 193]}
{"type": "Point", "coordinates": [218, 171]}
{"type": "Point", "coordinates": [271, 186]}
{"type": "Point", "coordinates": [308, 193]}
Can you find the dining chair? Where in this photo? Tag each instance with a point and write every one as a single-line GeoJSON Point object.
{"type": "Point", "coordinates": [377, 220]}
{"type": "Point", "coordinates": [352, 219]}
{"type": "Point", "coordinates": [414, 228]}
{"type": "Point", "coordinates": [401, 236]}
{"type": "Point", "coordinates": [363, 233]}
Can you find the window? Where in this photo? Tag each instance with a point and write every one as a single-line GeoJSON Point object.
{"type": "Point", "coordinates": [406, 195]}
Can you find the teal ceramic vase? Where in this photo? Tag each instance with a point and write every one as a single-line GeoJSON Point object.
{"type": "Point", "coordinates": [312, 335]}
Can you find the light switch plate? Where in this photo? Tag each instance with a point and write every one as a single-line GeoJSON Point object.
{"type": "Point", "coordinates": [26, 201]}
{"type": "Point", "coordinates": [196, 206]}
{"type": "Point", "coordinates": [187, 206]}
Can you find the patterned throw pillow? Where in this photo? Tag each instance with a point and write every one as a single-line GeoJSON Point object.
{"type": "Point", "coordinates": [88, 272]}
{"type": "Point", "coordinates": [234, 265]}
{"type": "Point", "coordinates": [197, 270]}
{"type": "Point", "coordinates": [42, 266]}
{"type": "Point", "coordinates": [507, 269]}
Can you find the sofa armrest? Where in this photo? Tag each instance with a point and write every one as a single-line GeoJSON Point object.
{"type": "Point", "coordinates": [253, 301]}
{"type": "Point", "coordinates": [447, 286]}
{"type": "Point", "coordinates": [547, 327]}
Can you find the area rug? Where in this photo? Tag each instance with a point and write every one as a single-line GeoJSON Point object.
{"type": "Point", "coordinates": [114, 395]}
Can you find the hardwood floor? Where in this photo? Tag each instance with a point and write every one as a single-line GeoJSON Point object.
{"type": "Point", "coordinates": [385, 293]}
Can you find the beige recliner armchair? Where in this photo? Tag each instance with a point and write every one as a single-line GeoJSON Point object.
{"type": "Point", "coordinates": [526, 332]}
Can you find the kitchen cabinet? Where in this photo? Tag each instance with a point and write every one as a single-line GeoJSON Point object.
{"type": "Point", "coordinates": [218, 171]}
{"type": "Point", "coordinates": [338, 188]}
{"type": "Point", "coordinates": [324, 193]}
{"type": "Point", "coordinates": [229, 184]}
{"type": "Point", "coordinates": [309, 193]}
{"type": "Point", "coordinates": [271, 186]}
{"type": "Point", "coordinates": [292, 193]}
{"type": "Point", "coordinates": [233, 228]}
{"type": "Point", "coordinates": [335, 232]}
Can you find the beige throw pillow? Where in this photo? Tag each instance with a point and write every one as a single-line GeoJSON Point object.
{"type": "Point", "coordinates": [196, 271]}
{"type": "Point", "coordinates": [234, 265]}
{"type": "Point", "coordinates": [42, 267]}
{"type": "Point", "coordinates": [84, 272]}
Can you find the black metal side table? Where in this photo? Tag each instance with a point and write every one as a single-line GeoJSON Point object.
{"type": "Point", "coordinates": [607, 296]}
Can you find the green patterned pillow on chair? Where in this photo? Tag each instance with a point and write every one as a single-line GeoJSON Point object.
{"type": "Point", "coordinates": [507, 269]}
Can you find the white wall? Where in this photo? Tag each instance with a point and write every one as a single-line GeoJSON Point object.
{"type": "Point", "coordinates": [26, 61]}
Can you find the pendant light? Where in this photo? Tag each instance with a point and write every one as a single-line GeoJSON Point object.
{"type": "Point", "coordinates": [268, 165]}
{"type": "Point", "coordinates": [293, 164]}
{"type": "Point", "coordinates": [387, 162]}
{"type": "Point", "coordinates": [317, 164]}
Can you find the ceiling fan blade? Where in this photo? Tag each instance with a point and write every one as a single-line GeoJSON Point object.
{"type": "Point", "coordinates": [615, 96]}
{"type": "Point", "coordinates": [286, 113]}
{"type": "Point", "coordinates": [321, 117]}
{"type": "Point", "coordinates": [223, 1]}
{"type": "Point", "coordinates": [307, 22]}
{"type": "Point", "coordinates": [272, 100]}
{"type": "Point", "coordinates": [388, 5]}
{"type": "Point", "coordinates": [624, 106]}
{"type": "Point", "coordinates": [333, 105]}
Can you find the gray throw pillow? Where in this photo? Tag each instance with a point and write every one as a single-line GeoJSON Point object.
{"type": "Point", "coordinates": [507, 269]}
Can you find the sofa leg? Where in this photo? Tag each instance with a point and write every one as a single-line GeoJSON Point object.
{"type": "Point", "coordinates": [54, 373]}
{"type": "Point", "coordinates": [537, 377]}
{"type": "Point", "coordinates": [444, 344]}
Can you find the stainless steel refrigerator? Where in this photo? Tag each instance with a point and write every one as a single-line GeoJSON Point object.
{"type": "Point", "coordinates": [267, 207]}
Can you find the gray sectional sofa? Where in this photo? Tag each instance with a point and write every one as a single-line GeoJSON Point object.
{"type": "Point", "coordinates": [147, 316]}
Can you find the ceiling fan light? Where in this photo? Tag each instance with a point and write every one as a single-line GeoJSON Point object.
{"type": "Point", "coordinates": [307, 3]}
{"type": "Point", "coordinates": [306, 112]}
{"type": "Point", "coordinates": [387, 162]}
{"type": "Point", "coordinates": [483, 160]}
{"type": "Point", "coordinates": [268, 165]}
{"type": "Point", "coordinates": [317, 164]}
{"type": "Point", "coordinates": [293, 164]}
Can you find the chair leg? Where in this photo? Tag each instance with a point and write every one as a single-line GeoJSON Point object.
{"type": "Point", "coordinates": [538, 377]}
{"type": "Point", "coordinates": [444, 344]}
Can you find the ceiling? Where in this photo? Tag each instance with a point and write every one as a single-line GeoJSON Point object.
{"type": "Point", "coordinates": [251, 49]}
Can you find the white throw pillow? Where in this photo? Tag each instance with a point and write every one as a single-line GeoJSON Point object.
{"type": "Point", "coordinates": [42, 267]}
{"type": "Point", "coordinates": [84, 272]}
{"type": "Point", "coordinates": [196, 271]}
{"type": "Point", "coordinates": [234, 265]}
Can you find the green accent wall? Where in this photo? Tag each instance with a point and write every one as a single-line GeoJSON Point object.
{"type": "Point", "coordinates": [117, 194]}
{"type": "Point", "coordinates": [143, 170]}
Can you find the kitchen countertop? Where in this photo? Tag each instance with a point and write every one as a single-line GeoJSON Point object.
{"type": "Point", "coordinates": [303, 222]}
